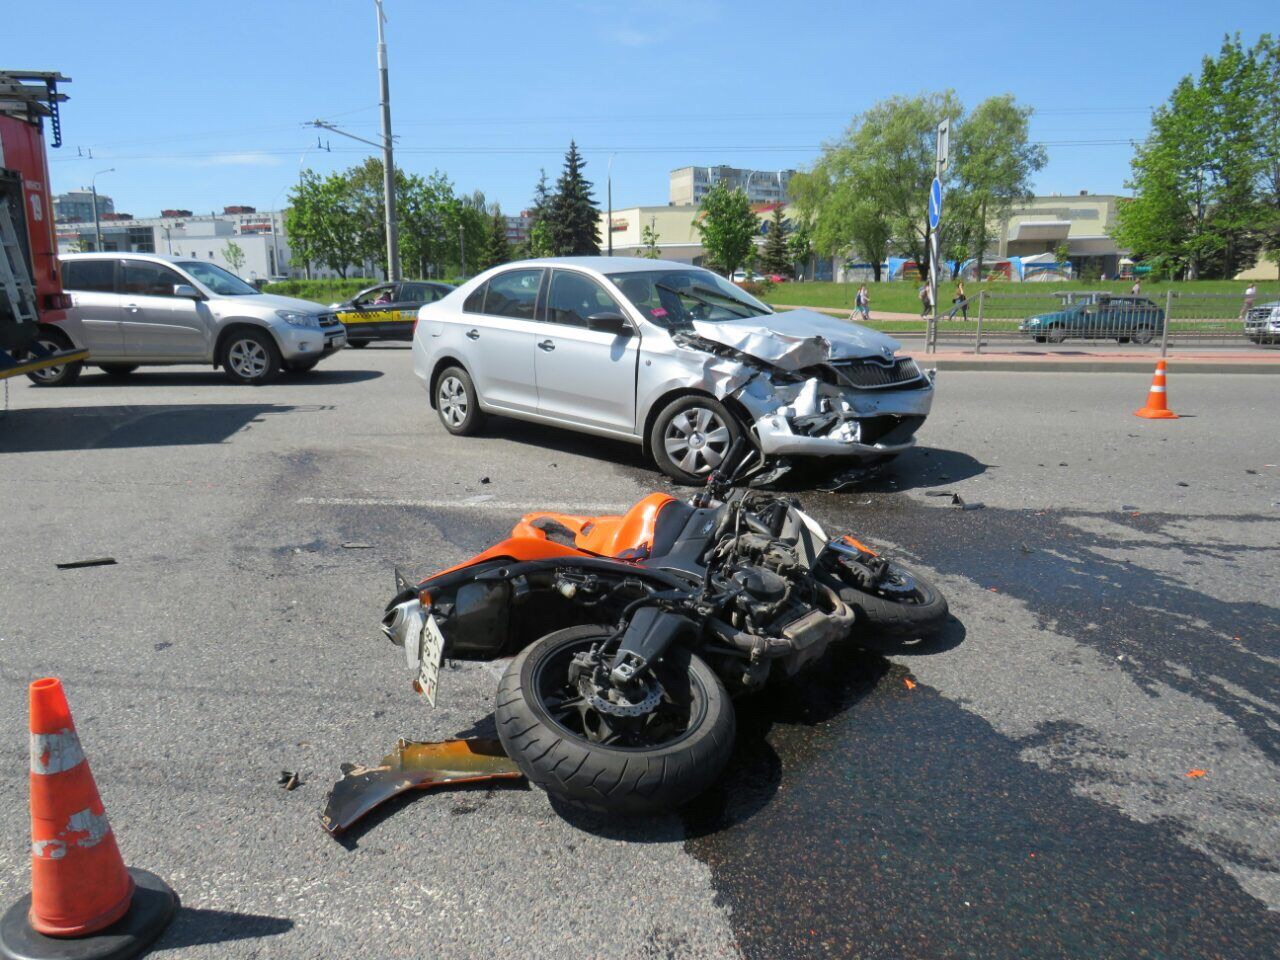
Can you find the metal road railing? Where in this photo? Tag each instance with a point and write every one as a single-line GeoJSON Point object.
{"type": "Point", "coordinates": [1065, 320]}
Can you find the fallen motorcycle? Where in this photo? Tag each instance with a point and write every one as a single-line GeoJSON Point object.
{"type": "Point", "coordinates": [630, 634]}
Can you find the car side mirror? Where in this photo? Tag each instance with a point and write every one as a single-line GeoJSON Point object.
{"type": "Point", "coordinates": [187, 290]}
{"type": "Point", "coordinates": [610, 321]}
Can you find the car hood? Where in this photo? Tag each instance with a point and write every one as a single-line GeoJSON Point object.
{"type": "Point", "coordinates": [273, 301]}
{"type": "Point", "coordinates": [795, 339]}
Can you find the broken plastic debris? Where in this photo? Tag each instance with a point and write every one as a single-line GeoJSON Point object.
{"type": "Point", "coordinates": [1196, 774]}
{"type": "Point", "coordinates": [289, 780]}
{"type": "Point", "coordinates": [911, 684]}
{"type": "Point", "coordinates": [413, 766]}
{"type": "Point", "coordinates": [353, 545]}
{"type": "Point", "coordinates": [95, 562]}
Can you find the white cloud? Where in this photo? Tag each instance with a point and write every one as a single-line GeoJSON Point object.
{"type": "Point", "coordinates": [628, 37]}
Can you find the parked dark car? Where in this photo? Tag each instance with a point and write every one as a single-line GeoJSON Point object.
{"type": "Point", "coordinates": [1136, 319]}
{"type": "Point", "coordinates": [387, 311]}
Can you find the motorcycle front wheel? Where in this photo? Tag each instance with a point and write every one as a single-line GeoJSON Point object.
{"type": "Point", "coordinates": [599, 760]}
{"type": "Point", "coordinates": [904, 605]}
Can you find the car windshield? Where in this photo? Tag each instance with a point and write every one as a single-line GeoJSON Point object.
{"type": "Point", "coordinates": [674, 298]}
{"type": "Point", "coordinates": [221, 282]}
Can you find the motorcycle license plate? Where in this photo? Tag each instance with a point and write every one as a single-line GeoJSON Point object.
{"type": "Point", "coordinates": [429, 663]}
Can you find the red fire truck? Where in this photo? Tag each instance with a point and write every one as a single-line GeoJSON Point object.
{"type": "Point", "coordinates": [31, 299]}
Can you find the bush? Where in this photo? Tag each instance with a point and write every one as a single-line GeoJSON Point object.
{"type": "Point", "coordinates": [757, 288]}
{"type": "Point", "coordinates": [321, 291]}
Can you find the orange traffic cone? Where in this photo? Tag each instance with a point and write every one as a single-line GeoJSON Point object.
{"type": "Point", "coordinates": [84, 902]}
{"type": "Point", "coordinates": [1157, 407]}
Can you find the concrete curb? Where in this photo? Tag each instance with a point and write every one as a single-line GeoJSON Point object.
{"type": "Point", "coordinates": [1055, 365]}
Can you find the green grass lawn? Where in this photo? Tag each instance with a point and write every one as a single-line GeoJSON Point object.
{"type": "Point", "coordinates": [1199, 299]}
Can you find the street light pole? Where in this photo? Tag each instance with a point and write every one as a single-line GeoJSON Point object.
{"type": "Point", "coordinates": [93, 189]}
{"type": "Point", "coordinates": [609, 189]}
{"type": "Point", "coordinates": [388, 164]}
{"type": "Point", "coordinates": [462, 247]}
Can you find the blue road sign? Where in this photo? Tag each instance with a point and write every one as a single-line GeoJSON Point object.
{"type": "Point", "coordinates": [935, 204]}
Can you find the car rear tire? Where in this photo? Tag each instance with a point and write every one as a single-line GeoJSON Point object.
{"type": "Point", "coordinates": [117, 369]}
{"type": "Point", "coordinates": [1056, 335]}
{"type": "Point", "coordinates": [542, 738]}
{"type": "Point", "coordinates": [251, 356]}
{"type": "Point", "coordinates": [1143, 335]}
{"type": "Point", "coordinates": [357, 344]}
{"type": "Point", "coordinates": [62, 375]}
{"type": "Point", "coordinates": [691, 437]}
{"type": "Point", "coordinates": [457, 402]}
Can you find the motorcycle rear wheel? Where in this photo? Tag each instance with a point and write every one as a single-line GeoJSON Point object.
{"type": "Point", "coordinates": [916, 609]}
{"type": "Point", "coordinates": [550, 740]}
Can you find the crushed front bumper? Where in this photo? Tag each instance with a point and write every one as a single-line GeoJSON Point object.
{"type": "Point", "coordinates": [818, 419]}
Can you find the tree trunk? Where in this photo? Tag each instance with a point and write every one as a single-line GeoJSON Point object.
{"type": "Point", "coordinates": [875, 272]}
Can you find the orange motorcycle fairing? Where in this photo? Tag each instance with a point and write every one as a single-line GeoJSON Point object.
{"type": "Point", "coordinates": [629, 536]}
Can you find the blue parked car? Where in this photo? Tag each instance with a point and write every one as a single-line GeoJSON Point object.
{"type": "Point", "coordinates": [1098, 317]}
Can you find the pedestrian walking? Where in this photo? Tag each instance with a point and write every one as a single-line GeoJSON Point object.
{"type": "Point", "coordinates": [862, 303]}
{"type": "Point", "coordinates": [1137, 287]}
{"type": "Point", "coordinates": [961, 300]}
{"type": "Point", "coordinates": [1250, 295]}
{"type": "Point", "coordinates": [926, 305]}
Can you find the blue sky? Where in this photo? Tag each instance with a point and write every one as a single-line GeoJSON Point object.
{"type": "Point", "coordinates": [200, 105]}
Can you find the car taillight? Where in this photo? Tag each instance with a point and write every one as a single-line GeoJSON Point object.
{"type": "Point", "coordinates": [57, 301]}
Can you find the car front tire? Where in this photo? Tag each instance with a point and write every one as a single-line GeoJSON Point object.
{"type": "Point", "coordinates": [457, 402]}
{"type": "Point", "coordinates": [691, 437]}
{"type": "Point", "coordinates": [251, 356]}
{"type": "Point", "coordinates": [117, 369]}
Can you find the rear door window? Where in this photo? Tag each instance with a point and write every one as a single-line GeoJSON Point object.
{"type": "Point", "coordinates": [513, 294]}
{"type": "Point", "coordinates": [475, 300]}
{"type": "Point", "coordinates": [96, 276]}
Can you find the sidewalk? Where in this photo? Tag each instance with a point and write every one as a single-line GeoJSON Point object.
{"type": "Point", "coordinates": [1097, 361]}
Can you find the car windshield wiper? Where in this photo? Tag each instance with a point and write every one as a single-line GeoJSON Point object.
{"type": "Point", "coordinates": [704, 301]}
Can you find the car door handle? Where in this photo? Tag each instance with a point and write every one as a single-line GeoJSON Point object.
{"type": "Point", "coordinates": [473, 334]}
{"type": "Point", "coordinates": [132, 307]}
{"type": "Point", "coordinates": [547, 345]}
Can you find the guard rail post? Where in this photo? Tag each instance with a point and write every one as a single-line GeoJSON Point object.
{"type": "Point", "coordinates": [982, 300]}
{"type": "Point", "coordinates": [1168, 318]}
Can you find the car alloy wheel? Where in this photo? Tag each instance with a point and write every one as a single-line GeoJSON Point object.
{"type": "Point", "coordinates": [452, 401]}
{"type": "Point", "coordinates": [248, 359]}
{"type": "Point", "coordinates": [49, 374]}
{"type": "Point", "coordinates": [697, 440]}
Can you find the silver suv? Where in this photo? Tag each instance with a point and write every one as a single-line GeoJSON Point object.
{"type": "Point", "coordinates": [135, 309]}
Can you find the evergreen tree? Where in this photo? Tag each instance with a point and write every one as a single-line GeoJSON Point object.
{"type": "Point", "coordinates": [775, 258]}
{"type": "Point", "coordinates": [497, 250]}
{"type": "Point", "coordinates": [574, 219]}
{"type": "Point", "coordinates": [538, 241]}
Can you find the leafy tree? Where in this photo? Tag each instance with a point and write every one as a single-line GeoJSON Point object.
{"type": "Point", "coordinates": [776, 258]}
{"type": "Point", "coordinates": [994, 164]}
{"type": "Point", "coordinates": [728, 227]}
{"type": "Point", "coordinates": [800, 246]}
{"type": "Point", "coordinates": [320, 222]}
{"type": "Point", "coordinates": [1207, 179]}
{"type": "Point", "coordinates": [497, 250]}
{"type": "Point", "coordinates": [649, 240]}
{"type": "Point", "coordinates": [574, 219]}
{"type": "Point", "coordinates": [837, 217]}
{"type": "Point", "coordinates": [233, 253]}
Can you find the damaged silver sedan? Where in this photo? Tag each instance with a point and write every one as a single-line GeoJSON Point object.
{"type": "Point", "coordinates": [672, 357]}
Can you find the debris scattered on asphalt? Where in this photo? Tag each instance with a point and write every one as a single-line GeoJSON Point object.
{"type": "Point", "coordinates": [1063, 463]}
{"type": "Point", "coordinates": [289, 779]}
{"type": "Point", "coordinates": [484, 480]}
{"type": "Point", "coordinates": [1196, 774]}
{"type": "Point", "coordinates": [1024, 548]}
{"type": "Point", "coordinates": [161, 645]}
{"type": "Point", "coordinates": [911, 684]}
{"type": "Point", "coordinates": [1181, 484]}
{"type": "Point", "coordinates": [413, 766]}
{"type": "Point", "coordinates": [95, 562]}
{"type": "Point", "coordinates": [1252, 472]}
{"type": "Point", "coordinates": [355, 545]}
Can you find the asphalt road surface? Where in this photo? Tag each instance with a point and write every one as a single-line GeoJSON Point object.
{"type": "Point", "coordinates": [1115, 629]}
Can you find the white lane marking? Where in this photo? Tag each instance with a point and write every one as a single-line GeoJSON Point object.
{"type": "Point", "coordinates": [482, 502]}
{"type": "Point", "coordinates": [55, 752]}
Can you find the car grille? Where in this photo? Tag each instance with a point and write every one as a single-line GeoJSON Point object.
{"type": "Point", "coordinates": [876, 374]}
{"type": "Point", "coordinates": [328, 320]}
